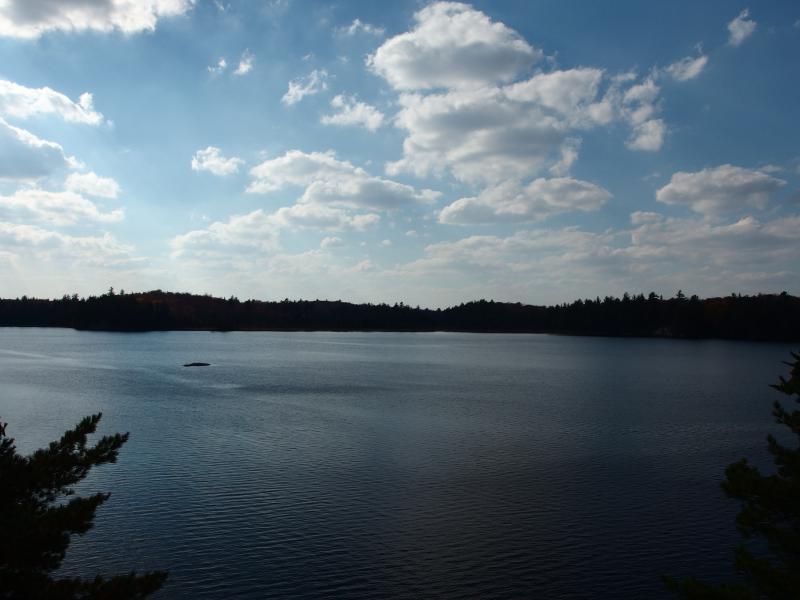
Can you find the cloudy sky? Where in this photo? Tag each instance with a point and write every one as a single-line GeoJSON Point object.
{"type": "Point", "coordinates": [430, 153]}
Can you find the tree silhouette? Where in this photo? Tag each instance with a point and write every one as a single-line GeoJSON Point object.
{"type": "Point", "coordinates": [39, 512]}
{"type": "Point", "coordinates": [769, 519]}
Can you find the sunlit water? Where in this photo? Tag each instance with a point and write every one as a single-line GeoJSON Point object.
{"type": "Point", "coordinates": [377, 465]}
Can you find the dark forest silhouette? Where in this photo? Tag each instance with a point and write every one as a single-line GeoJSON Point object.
{"type": "Point", "coordinates": [40, 512]}
{"type": "Point", "coordinates": [770, 515]}
{"type": "Point", "coordinates": [760, 317]}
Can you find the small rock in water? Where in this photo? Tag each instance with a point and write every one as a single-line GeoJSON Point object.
{"type": "Point", "coordinates": [197, 364]}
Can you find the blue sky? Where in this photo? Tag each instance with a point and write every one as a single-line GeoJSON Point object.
{"type": "Point", "coordinates": [430, 153]}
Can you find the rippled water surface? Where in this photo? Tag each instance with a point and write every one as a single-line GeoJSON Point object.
{"type": "Point", "coordinates": [376, 465]}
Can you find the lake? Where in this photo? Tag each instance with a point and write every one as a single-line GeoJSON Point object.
{"type": "Point", "coordinates": [402, 465]}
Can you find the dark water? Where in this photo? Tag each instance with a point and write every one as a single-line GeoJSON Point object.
{"type": "Point", "coordinates": [377, 465]}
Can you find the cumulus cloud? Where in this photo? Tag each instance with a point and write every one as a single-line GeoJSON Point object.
{"type": "Point", "coordinates": [638, 217]}
{"type": "Point", "coordinates": [719, 190]}
{"type": "Point", "coordinates": [32, 18]}
{"type": "Point", "coordinates": [211, 159]}
{"type": "Point", "coordinates": [479, 124]}
{"type": "Point", "coordinates": [336, 196]}
{"type": "Point", "coordinates": [513, 202]}
{"type": "Point", "coordinates": [218, 67]}
{"type": "Point", "coordinates": [22, 102]}
{"type": "Point", "coordinates": [746, 244]}
{"type": "Point", "coordinates": [656, 252]}
{"type": "Point", "coordinates": [328, 180]}
{"type": "Point", "coordinates": [357, 191]}
{"type": "Point", "coordinates": [53, 245]}
{"type": "Point", "coordinates": [647, 136]}
{"type": "Point", "coordinates": [316, 216]}
{"type": "Point", "coordinates": [25, 156]}
{"type": "Point", "coordinates": [741, 28]}
{"type": "Point", "coordinates": [639, 107]}
{"type": "Point", "coordinates": [452, 46]}
{"type": "Point", "coordinates": [253, 231]}
{"type": "Point", "coordinates": [309, 85]}
{"type": "Point", "coordinates": [687, 68]}
{"type": "Point", "coordinates": [259, 231]}
{"type": "Point", "coordinates": [571, 93]}
{"type": "Point", "coordinates": [296, 168]}
{"type": "Point", "coordinates": [520, 130]}
{"type": "Point", "coordinates": [478, 135]}
{"type": "Point", "coordinates": [245, 63]}
{"type": "Point", "coordinates": [358, 26]}
{"type": "Point", "coordinates": [331, 242]}
{"type": "Point", "coordinates": [92, 184]}
{"type": "Point", "coordinates": [353, 112]}
{"type": "Point", "coordinates": [57, 208]}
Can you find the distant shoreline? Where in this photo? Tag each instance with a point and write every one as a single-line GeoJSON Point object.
{"type": "Point", "coordinates": [470, 331]}
{"type": "Point", "coordinates": [764, 317]}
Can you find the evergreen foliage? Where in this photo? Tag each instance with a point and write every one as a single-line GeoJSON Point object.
{"type": "Point", "coordinates": [39, 512]}
{"type": "Point", "coordinates": [759, 317]}
{"type": "Point", "coordinates": [769, 520]}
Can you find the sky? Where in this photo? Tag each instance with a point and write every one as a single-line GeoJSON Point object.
{"type": "Point", "coordinates": [429, 153]}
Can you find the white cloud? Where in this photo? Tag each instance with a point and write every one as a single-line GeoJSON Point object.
{"type": "Point", "coordinates": [330, 181]}
{"type": "Point", "coordinates": [744, 244]}
{"type": "Point", "coordinates": [741, 28]}
{"type": "Point", "coordinates": [452, 46]}
{"type": "Point", "coordinates": [92, 184]}
{"type": "Point", "coordinates": [331, 242]}
{"type": "Point", "coordinates": [53, 246]}
{"type": "Point", "coordinates": [58, 208]}
{"type": "Point", "coordinates": [358, 26]}
{"type": "Point", "coordinates": [32, 18]}
{"type": "Point", "coordinates": [687, 68]}
{"type": "Point", "coordinates": [657, 253]}
{"type": "Point", "coordinates": [647, 136]}
{"type": "Point", "coordinates": [639, 107]}
{"type": "Point", "coordinates": [639, 101]}
{"type": "Point", "coordinates": [720, 189]}
{"type": "Point", "coordinates": [520, 130]}
{"type": "Point", "coordinates": [245, 63]}
{"type": "Point", "coordinates": [297, 168]}
{"type": "Point", "coordinates": [319, 217]}
{"type": "Point", "coordinates": [22, 102]}
{"type": "Point", "coordinates": [211, 159]}
{"type": "Point", "coordinates": [357, 191]}
{"type": "Point", "coordinates": [218, 67]}
{"type": "Point", "coordinates": [512, 202]}
{"type": "Point", "coordinates": [25, 156]}
{"type": "Point", "coordinates": [259, 231]}
{"type": "Point", "coordinates": [487, 128]}
{"type": "Point", "coordinates": [639, 217]}
{"type": "Point", "coordinates": [309, 85]}
{"type": "Point", "coordinates": [353, 112]}
{"type": "Point", "coordinates": [570, 93]}
{"type": "Point", "coordinates": [478, 135]}
{"type": "Point", "coordinates": [255, 231]}
{"type": "Point", "coordinates": [386, 243]}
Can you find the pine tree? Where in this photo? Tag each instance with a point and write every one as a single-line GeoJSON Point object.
{"type": "Point", "coordinates": [39, 511]}
{"type": "Point", "coordinates": [770, 517]}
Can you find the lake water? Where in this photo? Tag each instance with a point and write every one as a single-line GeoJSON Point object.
{"type": "Point", "coordinates": [402, 465]}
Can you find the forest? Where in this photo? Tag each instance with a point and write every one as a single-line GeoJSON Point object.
{"type": "Point", "coordinates": [756, 317]}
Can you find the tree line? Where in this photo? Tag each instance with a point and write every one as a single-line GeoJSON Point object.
{"type": "Point", "coordinates": [754, 317]}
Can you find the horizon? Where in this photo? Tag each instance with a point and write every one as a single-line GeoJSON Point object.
{"type": "Point", "coordinates": [424, 153]}
{"type": "Point", "coordinates": [680, 294]}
